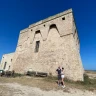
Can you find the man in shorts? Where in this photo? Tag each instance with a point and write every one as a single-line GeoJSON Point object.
{"type": "Point", "coordinates": [59, 75]}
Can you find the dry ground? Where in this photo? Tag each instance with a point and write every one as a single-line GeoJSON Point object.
{"type": "Point", "coordinates": [37, 86]}
{"type": "Point", "coordinates": [91, 74]}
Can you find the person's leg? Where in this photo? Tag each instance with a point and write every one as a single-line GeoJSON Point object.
{"type": "Point", "coordinates": [59, 80]}
{"type": "Point", "coordinates": [62, 82]}
{"type": "Point", "coordinates": [63, 85]}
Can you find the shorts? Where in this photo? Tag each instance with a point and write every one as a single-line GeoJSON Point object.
{"type": "Point", "coordinates": [59, 77]}
{"type": "Point", "coordinates": [62, 76]}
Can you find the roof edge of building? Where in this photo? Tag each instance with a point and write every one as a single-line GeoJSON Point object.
{"type": "Point", "coordinates": [47, 19]}
{"type": "Point", "coordinates": [9, 53]}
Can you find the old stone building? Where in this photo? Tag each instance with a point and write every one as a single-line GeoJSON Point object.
{"type": "Point", "coordinates": [50, 43]}
{"type": "Point", "coordinates": [6, 62]}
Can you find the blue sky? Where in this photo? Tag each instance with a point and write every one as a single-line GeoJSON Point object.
{"type": "Point", "coordinates": [16, 15]}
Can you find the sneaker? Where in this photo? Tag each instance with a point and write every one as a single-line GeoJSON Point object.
{"type": "Point", "coordinates": [59, 85]}
{"type": "Point", "coordinates": [63, 86]}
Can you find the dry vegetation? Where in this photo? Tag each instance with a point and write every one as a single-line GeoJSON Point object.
{"type": "Point", "coordinates": [45, 84]}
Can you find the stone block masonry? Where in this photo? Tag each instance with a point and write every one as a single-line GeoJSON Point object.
{"type": "Point", "coordinates": [50, 43]}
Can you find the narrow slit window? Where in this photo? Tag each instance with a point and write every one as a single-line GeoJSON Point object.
{"type": "Point", "coordinates": [9, 68]}
{"type": "Point", "coordinates": [37, 46]}
{"type": "Point", "coordinates": [5, 65]}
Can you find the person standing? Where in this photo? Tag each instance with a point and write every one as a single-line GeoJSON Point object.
{"type": "Point", "coordinates": [62, 77]}
{"type": "Point", "coordinates": [59, 75]}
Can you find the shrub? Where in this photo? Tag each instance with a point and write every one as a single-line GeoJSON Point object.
{"type": "Point", "coordinates": [18, 75]}
{"type": "Point", "coordinates": [86, 79]}
{"type": "Point", "coordinates": [31, 73]}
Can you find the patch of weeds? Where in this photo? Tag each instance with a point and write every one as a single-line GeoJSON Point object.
{"type": "Point", "coordinates": [88, 83]}
{"type": "Point", "coordinates": [50, 78]}
{"type": "Point", "coordinates": [18, 75]}
{"type": "Point", "coordinates": [31, 73]}
{"type": "Point", "coordinates": [68, 80]}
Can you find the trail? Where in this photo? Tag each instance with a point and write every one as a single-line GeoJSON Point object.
{"type": "Point", "coordinates": [15, 89]}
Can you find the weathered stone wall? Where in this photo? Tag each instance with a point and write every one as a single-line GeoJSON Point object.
{"type": "Point", "coordinates": [8, 59]}
{"type": "Point", "coordinates": [58, 47]}
{"type": "Point", "coordinates": [75, 35]}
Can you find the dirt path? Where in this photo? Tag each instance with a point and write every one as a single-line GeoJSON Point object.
{"type": "Point", "coordinates": [15, 89]}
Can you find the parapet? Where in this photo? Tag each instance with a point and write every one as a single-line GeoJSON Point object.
{"type": "Point", "coordinates": [46, 20]}
{"type": "Point", "coordinates": [24, 30]}
{"type": "Point", "coordinates": [51, 18]}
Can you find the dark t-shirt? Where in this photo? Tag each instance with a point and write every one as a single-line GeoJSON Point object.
{"type": "Point", "coordinates": [59, 71]}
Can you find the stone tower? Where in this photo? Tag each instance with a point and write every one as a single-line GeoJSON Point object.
{"type": "Point", "coordinates": [50, 43]}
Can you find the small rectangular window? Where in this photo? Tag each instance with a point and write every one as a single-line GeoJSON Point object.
{"type": "Point", "coordinates": [37, 46]}
{"type": "Point", "coordinates": [63, 18]}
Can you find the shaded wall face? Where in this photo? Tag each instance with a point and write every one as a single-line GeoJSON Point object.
{"type": "Point", "coordinates": [57, 47]}
{"type": "Point", "coordinates": [76, 38]}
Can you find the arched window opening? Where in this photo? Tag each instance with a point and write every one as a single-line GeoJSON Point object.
{"type": "Point", "coordinates": [37, 32]}
{"type": "Point", "coordinates": [53, 26]}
